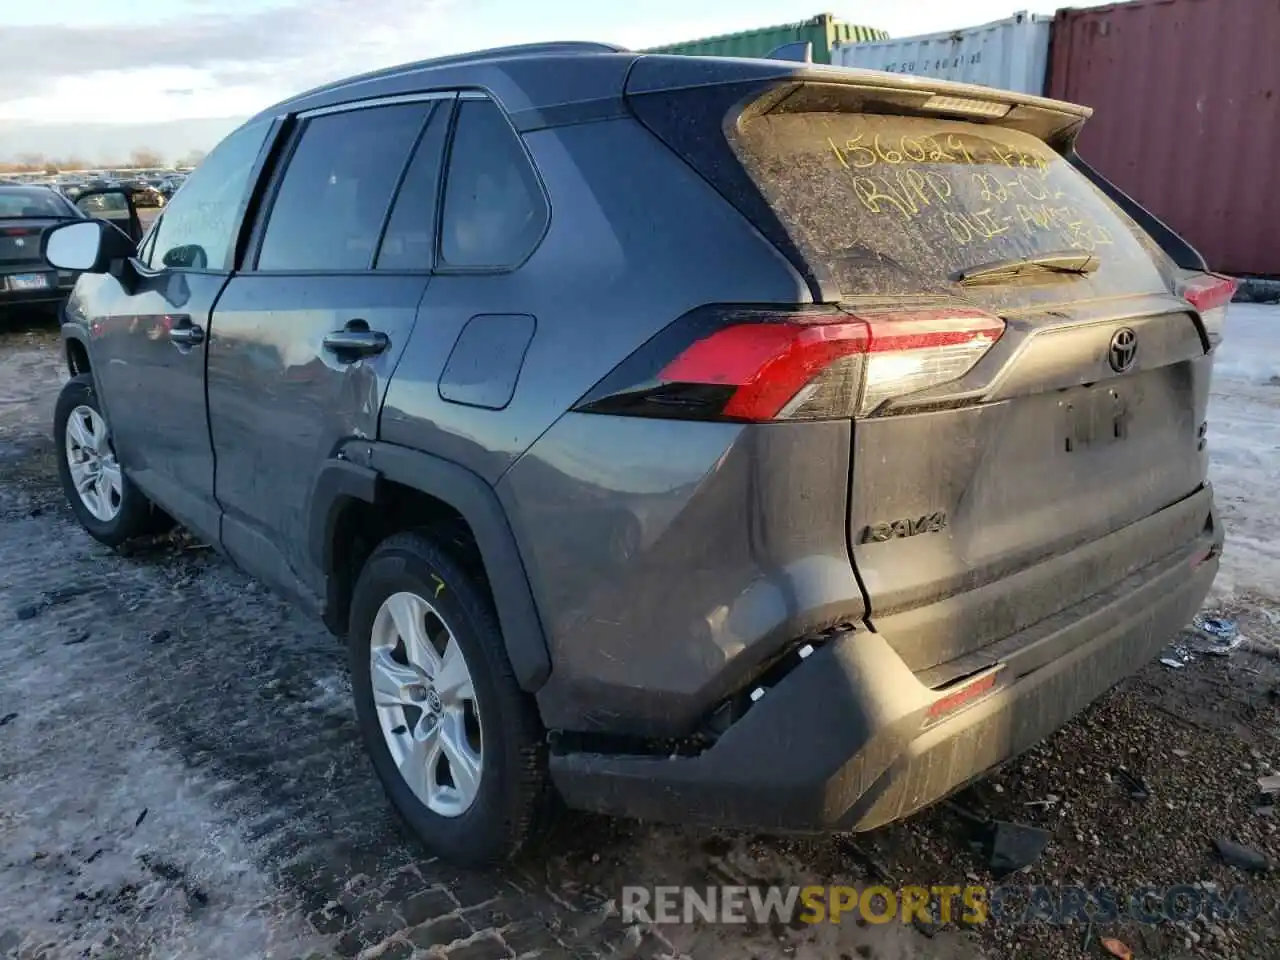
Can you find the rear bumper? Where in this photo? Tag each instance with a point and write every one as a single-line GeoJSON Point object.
{"type": "Point", "coordinates": [841, 743]}
{"type": "Point", "coordinates": [59, 289]}
{"type": "Point", "coordinates": [32, 298]}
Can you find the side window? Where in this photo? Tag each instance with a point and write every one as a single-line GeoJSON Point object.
{"type": "Point", "coordinates": [409, 241]}
{"type": "Point", "coordinates": [198, 227]}
{"type": "Point", "coordinates": [331, 203]}
{"type": "Point", "coordinates": [494, 210]}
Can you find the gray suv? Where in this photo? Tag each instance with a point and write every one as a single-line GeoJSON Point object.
{"type": "Point", "coordinates": [732, 441]}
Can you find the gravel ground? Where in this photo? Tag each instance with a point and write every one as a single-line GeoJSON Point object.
{"type": "Point", "coordinates": [180, 773]}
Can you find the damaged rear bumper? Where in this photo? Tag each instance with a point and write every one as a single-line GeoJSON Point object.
{"type": "Point", "coordinates": [846, 742]}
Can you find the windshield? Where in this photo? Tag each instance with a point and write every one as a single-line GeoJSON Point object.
{"type": "Point", "coordinates": [22, 202]}
{"type": "Point", "coordinates": [907, 205]}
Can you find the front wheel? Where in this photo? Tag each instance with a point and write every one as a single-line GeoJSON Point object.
{"type": "Point", "coordinates": [455, 741]}
{"type": "Point", "coordinates": [104, 500]}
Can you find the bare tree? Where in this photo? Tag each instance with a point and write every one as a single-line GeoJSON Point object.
{"type": "Point", "coordinates": [29, 162]}
{"type": "Point", "coordinates": [145, 157]}
{"type": "Point", "coordinates": [192, 158]}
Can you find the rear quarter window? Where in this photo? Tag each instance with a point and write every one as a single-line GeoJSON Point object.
{"type": "Point", "coordinates": [900, 205]}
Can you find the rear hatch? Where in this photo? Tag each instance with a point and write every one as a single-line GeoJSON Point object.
{"type": "Point", "coordinates": [20, 241]}
{"type": "Point", "coordinates": [1033, 376]}
{"type": "Point", "coordinates": [22, 269]}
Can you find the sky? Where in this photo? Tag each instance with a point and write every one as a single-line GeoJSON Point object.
{"type": "Point", "coordinates": [87, 76]}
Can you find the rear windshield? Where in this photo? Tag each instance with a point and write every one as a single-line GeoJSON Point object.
{"type": "Point", "coordinates": [899, 205]}
{"type": "Point", "coordinates": [19, 202]}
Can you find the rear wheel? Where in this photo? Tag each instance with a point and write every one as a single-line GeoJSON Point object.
{"type": "Point", "coordinates": [455, 741]}
{"type": "Point", "coordinates": [104, 500]}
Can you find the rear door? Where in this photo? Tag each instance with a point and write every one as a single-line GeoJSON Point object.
{"type": "Point", "coordinates": [1075, 407]}
{"type": "Point", "coordinates": [305, 339]}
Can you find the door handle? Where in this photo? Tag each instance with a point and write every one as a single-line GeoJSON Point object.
{"type": "Point", "coordinates": [187, 336]}
{"type": "Point", "coordinates": [357, 341]}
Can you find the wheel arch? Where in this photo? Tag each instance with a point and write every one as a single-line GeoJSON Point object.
{"type": "Point", "coordinates": [366, 474]}
{"type": "Point", "coordinates": [76, 349]}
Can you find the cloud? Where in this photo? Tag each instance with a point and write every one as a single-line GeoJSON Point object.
{"type": "Point", "coordinates": [213, 62]}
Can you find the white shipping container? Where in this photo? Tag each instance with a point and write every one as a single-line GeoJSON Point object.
{"type": "Point", "coordinates": [1012, 54]}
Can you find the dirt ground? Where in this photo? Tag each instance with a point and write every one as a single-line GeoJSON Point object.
{"type": "Point", "coordinates": [180, 772]}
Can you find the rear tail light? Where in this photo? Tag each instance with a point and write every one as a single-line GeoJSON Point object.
{"type": "Point", "coordinates": [19, 231]}
{"type": "Point", "coordinates": [758, 364]}
{"type": "Point", "coordinates": [1210, 294]}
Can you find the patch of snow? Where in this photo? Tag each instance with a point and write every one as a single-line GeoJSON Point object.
{"type": "Point", "coordinates": [1244, 450]}
{"type": "Point", "coordinates": [111, 845]}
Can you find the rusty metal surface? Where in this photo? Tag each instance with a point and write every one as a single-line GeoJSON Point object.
{"type": "Point", "coordinates": [1186, 96]}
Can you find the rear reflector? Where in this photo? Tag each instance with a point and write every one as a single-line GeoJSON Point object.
{"type": "Point", "coordinates": [753, 365]}
{"type": "Point", "coordinates": [19, 231]}
{"type": "Point", "coordinates": [1210, 294]}
{"type": "Point", "coordinates": [965, 695]}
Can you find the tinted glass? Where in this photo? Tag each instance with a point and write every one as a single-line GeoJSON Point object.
{"type": "Point", "coordinates": [494, 211]}
{"type": "Point", "coordinates": [334, 196]}
{"type": "Point", "coordinates": [198, 227]}
{"type": "Point", "coordinates": [409, 242]}
{"type": "Point", "coordinates": [104, 204]}
{"type": "Point", "coordinates": [31, 202]}
{"type": "Point", "coordinates": [904, 204]}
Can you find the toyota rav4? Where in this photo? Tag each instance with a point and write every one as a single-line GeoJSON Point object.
{"type": "Point", "coordinates": [734, 441]}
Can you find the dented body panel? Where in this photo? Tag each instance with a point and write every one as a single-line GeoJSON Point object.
{"type": "Point", "coordinates": [280, 404]}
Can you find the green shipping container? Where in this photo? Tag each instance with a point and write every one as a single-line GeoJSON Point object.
{"type": "Point", "coordinates": [824, 31]}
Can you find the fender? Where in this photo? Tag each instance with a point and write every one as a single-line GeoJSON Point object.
{"type": "Point", "coordinates": [356, 472]}
{"type": "Point", "coordinates": [74, 332]}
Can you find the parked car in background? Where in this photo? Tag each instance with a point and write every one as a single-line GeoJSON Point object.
{"type": "Point", "coordinates": [143, 193]}
{"type": "Point", "coordinates": [26, 278]}
{"type": "Point", "coordinates": [839, 437]}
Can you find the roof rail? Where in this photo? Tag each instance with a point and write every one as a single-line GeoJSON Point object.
{"type": "Point", "coordinates": [474, 56]}
{"type": "Point", "coordinates": [517, 50]}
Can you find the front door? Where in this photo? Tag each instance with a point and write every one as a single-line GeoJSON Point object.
{"type": "Point", "coordinates": [305, 339]}
{"type": "Point", "coordinates": [149, 329]}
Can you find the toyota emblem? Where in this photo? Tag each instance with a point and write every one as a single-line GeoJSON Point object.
{"type": "Point", "coordinates": [1123, 350]}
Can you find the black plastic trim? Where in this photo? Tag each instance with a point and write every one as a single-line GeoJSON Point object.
{"type": "Point", "coordinates": [569, 114]}
{"type": "Point", "coordinates": [338, 483]}
{"type": "Point", "coordinates": [74, 331]}
{"type": "Point", "coordinates": [479, 506]}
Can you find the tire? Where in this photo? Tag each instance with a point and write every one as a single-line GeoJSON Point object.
{"type": "Point", "coordinates": [512, 789]}
{"type": "Point", "coordinates": [134, 515]}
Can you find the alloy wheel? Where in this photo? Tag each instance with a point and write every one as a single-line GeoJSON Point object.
{"type": "Point", "coordinates": [426, 704]}
{"type": "Point", "coordinates": [94, 470]}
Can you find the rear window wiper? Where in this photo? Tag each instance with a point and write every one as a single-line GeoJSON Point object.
{"type": "Point", "coordinates": [1067, 261]}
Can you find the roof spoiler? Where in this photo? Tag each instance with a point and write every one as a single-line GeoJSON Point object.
{"type": "Point", "coordinates": [800, 51]}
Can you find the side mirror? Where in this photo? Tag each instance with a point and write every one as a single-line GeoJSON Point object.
{"type": "Point", "coordinates": [86, 246]}
{"type": "Point", "coordinates": [113, 205]}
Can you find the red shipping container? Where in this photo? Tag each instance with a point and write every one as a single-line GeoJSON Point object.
{"type": "Point", "coordinates": [1186, 95]}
